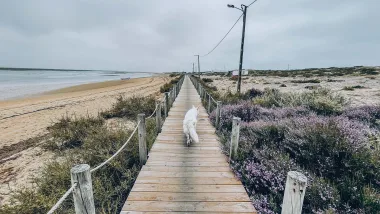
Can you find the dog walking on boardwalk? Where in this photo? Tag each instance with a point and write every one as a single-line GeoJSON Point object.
{"type": "Point", "coordinates": [190, 124]}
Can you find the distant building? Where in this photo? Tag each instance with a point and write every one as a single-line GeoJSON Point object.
{"type": "Point", "coordinates": [243, 72]}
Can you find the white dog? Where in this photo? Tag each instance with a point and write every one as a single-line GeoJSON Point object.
{"type": "Point", "coordinates": [190, 124]}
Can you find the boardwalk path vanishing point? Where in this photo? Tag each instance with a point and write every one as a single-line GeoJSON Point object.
{"type": "Point", "coordinates": [184, 179]}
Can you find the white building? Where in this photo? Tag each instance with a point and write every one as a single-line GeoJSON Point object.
{"type": "Point", "coordinates": [243, 72]}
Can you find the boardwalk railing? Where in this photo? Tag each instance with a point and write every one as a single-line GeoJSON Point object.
{"type": "Point", "coordinates": [296, 182]}
{"type": "Point", "coordinates": [81, 182]}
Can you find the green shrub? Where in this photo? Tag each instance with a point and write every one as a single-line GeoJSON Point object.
{"type": "Point", "coordinates": [234, 78]}
{"type": "Point", "coordinates": [168, 86]}
{"type": "Point", "coordinates": [306, 81]}
{"type": "Point", "coordinates": [348, 88]}
{"type": "Point", "coordinates": [207, 80]}
{"type": "Point", "coordinates": [351, 88]}
{"type": "Point", "coordinates": [322, 101]}
{"type": "Point", "coordinates": [70, 132]}
{"type": "Point", "coordinates": [131, 107]}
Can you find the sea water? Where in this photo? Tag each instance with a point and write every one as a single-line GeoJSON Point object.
{"type": "Point", "coordinates": [21, 83]}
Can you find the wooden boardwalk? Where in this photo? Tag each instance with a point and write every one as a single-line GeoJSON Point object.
{"type": "Point", "coordinates": [184, 179]}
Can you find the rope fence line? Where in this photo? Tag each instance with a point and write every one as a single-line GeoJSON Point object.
{"type": "Point", "coordinates": [118, 151]}
{"type": "Point", "coordinates": [175, 89]}
{"type": "Point", "coordinates": [153, 112]}
{"type": "Point", "coordinates": [60, 201]}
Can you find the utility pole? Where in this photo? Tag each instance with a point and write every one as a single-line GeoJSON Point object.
{"type": "Point", "coordinates": [244, 10]}
{"type": "Point", "coordinates": [199, 67]}
{"type": "Point", "coordinates": [193, 67]}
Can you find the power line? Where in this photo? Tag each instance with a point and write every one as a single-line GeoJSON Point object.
{"type": "Point", "coordinates": [224, 36]}
{"type": "Point", "coordinates": [252, 3]}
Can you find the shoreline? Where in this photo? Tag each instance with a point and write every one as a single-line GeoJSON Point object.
{"type": "Point", "coordinates": [70, 91]}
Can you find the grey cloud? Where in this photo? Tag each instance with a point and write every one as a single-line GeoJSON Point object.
{"type": "Point", "coordinates": [164, 35]}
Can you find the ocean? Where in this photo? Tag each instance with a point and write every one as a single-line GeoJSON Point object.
{"type": "Point", "coordinates": [22, 83]}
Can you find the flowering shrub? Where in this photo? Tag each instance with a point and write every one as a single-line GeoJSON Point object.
{"type": "Point", "coordinates": [334, 152]}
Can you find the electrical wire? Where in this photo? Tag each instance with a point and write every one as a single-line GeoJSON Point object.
{"type": "Point", "coordinates": [223, 37]}
{"type": "Point", "coordinates": [252, 3]}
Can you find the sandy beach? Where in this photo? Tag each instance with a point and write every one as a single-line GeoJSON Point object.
{"type": "Point", "coordinates": [28, 118]}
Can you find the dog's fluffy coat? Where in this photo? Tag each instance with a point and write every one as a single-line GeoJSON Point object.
{"type": "Point", "coordinates": [190, 124]}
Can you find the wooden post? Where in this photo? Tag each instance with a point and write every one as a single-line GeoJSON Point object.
{"type": "Point", "coordinates": [82, 193]}
{"type": "Point", "coordinates": [167, 103]}
{"type": "Point", "coordinates": [235, 137]}
{"type": "Point", "coordinates": [142, 139]}
{"type": "Point", "coordinates": [158, 116]}
{"type": "Point", "coordinates": [295, 189]}
{"type": "Point", "coordinates": [217, 116]}
{"type": "Point", "coordinates": [209, 104]}
{"type": "Point", "coordinates": [165, 110]}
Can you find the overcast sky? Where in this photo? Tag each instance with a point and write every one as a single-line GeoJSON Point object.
{"type": "Point", "coordinates": [163, 36]}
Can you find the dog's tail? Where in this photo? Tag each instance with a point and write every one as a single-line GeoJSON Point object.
{"type": "Point", "coordinates": [193, 134]}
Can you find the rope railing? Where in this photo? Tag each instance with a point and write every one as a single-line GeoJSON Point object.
{"type": "Point", "coordinates": [85, 171]}
{"type": "Point", "coordinates": [60, 201]}
{"type": "Point", "coordinates": [204, 94]}
{"type": "Point", "coordinates": [118, 151]}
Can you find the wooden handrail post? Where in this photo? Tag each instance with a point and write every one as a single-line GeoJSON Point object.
{"type": "Point", "coordinates": [217, 116]}
{"type": "Point", "coordinates": [158, 116]}
{"type": "Point", "coordinates": [167, 103]}
{"type": "Point", "coordinates": [165, 110]}
{"type": "Point", "coordinates": [294, 194]}
{"type": "Point", "coordinates": [209, 104]}
{"type": "Point", "coordinates": [174, 92]}
{"type": "Point", "coordinates": [142, 139]}
{"type": "Point", "coordinates": [82, 193]}
{"type": "Point", "coordinates": [235, 137]}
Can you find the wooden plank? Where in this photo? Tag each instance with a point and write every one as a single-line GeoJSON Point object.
{"type": "Point", "coordinates": [186, 169]}
{"type": "Point", "coordinates": [194, 155]}
{"type": "Point", "coordinates": [184, 163]}
{"type": "Point", "coordinates": [187, 188]}
{"type": "Point", "coordinates": [169, 196]}
{"type": "Point", "coordinates": [184, 159]}
{"type": "Point", "coordinates": [198, 146]}
{"type": "Point", "coordinates": [199, 175]}
{"type": "Point", "coordinates": [172, 144]}
{"type": "Point", "coordinates": [185, 151]}
{"type": "Point", "coordinates": [220, 207]}
{"type": "Point", "coordinates": [137, 212]}
{"type": "Point", "coordinates": [173, 181]}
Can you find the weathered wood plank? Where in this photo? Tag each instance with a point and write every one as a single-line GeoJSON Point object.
{"type": "Point", "coordinates": [175, 196]}
{"type": "Point", "coordinates": [183, 181]}
{"type": "Point", "coordinates": [199, 175]}
{"type": "Point", "coordinates": [184, 163]}
{"type": "Point", "coordinates": [137, 212]}
{"type": "Point", "coordinates": [220, 207]}
{"type": "Point", "coordinates": [190, 155]}
{"type": "Point", "coordinates": [186, 169]}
